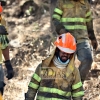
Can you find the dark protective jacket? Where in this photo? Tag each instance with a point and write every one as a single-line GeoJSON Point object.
{"type": "Point", "coordinates": [74, 16]}
{"type": "Point", "coordinates": [3, 37]}
{"type": "Point", "coordinates": [52, 83]}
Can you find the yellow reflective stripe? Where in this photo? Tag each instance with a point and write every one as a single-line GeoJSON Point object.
{"type": "Point", "coordinates": [36, 77]}
{"type": "Point", "coordinates": [32, 85]}
{"type": "Point", "coordinates": [3, 41]}
{"type": "Point", "coordinates": [54, 90]}
{"type": "Point", "coordinates": [88, 14]}
{"type": "Point", "coordinates": [77, 85]}
{"type": "Point", "coordinates": [56, 16]}
{"type": "Point", "coordinates": [70, 69]}
{"type": "Point", "coordinates": [73, 20]}
{"type": "Point", "coordinates": [58, 11]}
{"type": "Point", "coordinates": [68, 6]}
{"type": "Point", "coordinates": [78, 94]}
{"type": "Point", "coordinates": [72, 27]}
{"type": "Point", "coordinates": [0, 38]}
{"type": "Point", "coordinates": [45, 98]}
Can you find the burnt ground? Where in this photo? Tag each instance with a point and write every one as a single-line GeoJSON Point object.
{"type": "Point", "coordinates": [30, 42]}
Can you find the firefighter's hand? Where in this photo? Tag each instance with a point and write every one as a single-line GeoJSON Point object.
{"type": "Point", "coordinates": [10, 72]}
{"type": "Point", "coordinates": [93, 39]}
{"type": "Point", "coordinates": [94, 44]}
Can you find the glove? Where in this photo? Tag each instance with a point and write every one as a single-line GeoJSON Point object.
{"type": "Point", "coordinates": [94, 44]}
{"type": "Point", "coordinates": [10, 72]}
{"type": "Point", "coordinates": [93, 39]}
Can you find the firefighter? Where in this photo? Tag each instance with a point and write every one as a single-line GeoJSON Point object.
{"type": "Point", "coordinates": [74, 16]}
{"type": "Point", "coordinates": [4, 49]}
{"type": "Point", "coordinates": [57, 78]}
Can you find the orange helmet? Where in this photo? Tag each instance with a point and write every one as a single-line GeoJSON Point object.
{"type": "Point", "coordinates": [66, 43]}
{"type": "Point", "coordinates": [1, 9]}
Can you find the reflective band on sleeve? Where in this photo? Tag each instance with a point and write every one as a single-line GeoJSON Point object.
{"type": "Point", "coordinates": [32, 85]}
{"type": "Point", "coordinates": [36, 77]}
{"type": "Point", "coordinates": [88, 14]}
{"type": "Point", "coordinates": [58, 11]}
{"type": "Point", "coordinates": [72, 27]}
{"type": "Point", "coordinates": [54, 90]}
{"type": "Point", "coordinates": [78, 94]}
{"type": "Point", "coordinates": [56, 16]}
{"type": "Point", "coordinates": [4, 41]}
{"type": "Point", "coordinates": [45, 98]}
{"type": "Point", "coordinates": [76, 86]}
{"type": "Point", "coordinates": [73, 20]}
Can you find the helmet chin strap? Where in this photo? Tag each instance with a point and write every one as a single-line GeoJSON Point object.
{"type": "Point", "coordinates": [63, 62]}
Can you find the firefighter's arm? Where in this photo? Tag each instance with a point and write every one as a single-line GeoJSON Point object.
{"type": "Point", "coordinates": [77, 87]}
{"type": "Point", "coordinates": [4, 23]}
{"type": "Point", "coordinates": [5, 51]}
{"type": "Point", "coordinates": [3, 37]}
{"type": "Point", "coordinates": [56, 18]}
{"type": "Point", "coordinates": [33, 85]}
{"type": "Point", "coordinates": [91, 34]}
